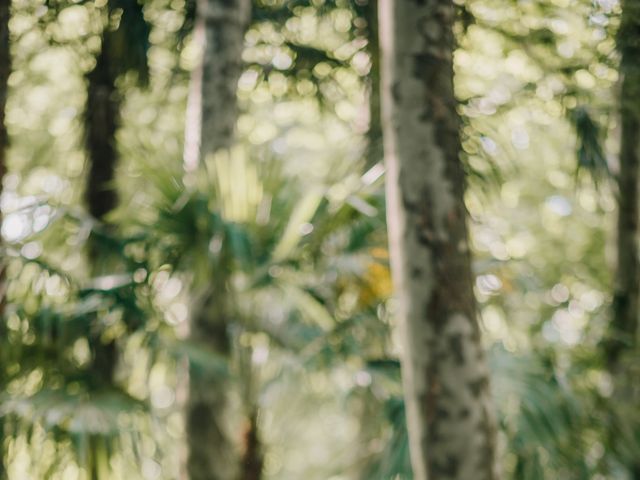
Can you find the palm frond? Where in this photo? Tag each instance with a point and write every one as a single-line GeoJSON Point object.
{"type": "Point", "coordinates": [590, 152]}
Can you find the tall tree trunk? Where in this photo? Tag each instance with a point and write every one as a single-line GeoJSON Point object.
{"type": "Point", "coordinates": [212, 109]}
{"type": "Point", "coordinates": [101, 119]}
{"type": "Point", "coordinates": [101, 122]}
{"type": "Point", "coordinates": [449, 411]}
{"type": "Point", "coordinates": [622, 341]}
{"type": "Point", "coordinates": [211, 120]}
{"type": "Point", "coordinates": [374, 153]}
{"type": "Point", "coordinates": [624, 331]}
{"type": "Point", "coordinates": [5, 69]}
{"type": "Point", "coordinates": [211, 449]}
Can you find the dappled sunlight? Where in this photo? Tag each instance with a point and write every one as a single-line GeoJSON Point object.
{"type": "Point", "coordinates": [281, 239]}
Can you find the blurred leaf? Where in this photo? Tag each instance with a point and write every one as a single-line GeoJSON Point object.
{"type": "Point", "coordinates": [590, 153]}
{"type": "Point", "coordinates": [301, 215]}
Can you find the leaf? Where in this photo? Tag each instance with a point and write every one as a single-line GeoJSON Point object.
{"type": "Point", "coordinates": [302, 214]}
{"type": "Point", "coordinates": [590, 153]}
{"type": "Point", "coordinates": [310, 307]}
{"type": "Point", "coordinates": [82, 413]}
{"type": "Point", "coordinates": [202, 357]}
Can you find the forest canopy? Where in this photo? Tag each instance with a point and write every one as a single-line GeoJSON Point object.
{"type": "Point", "coordinates": [319, 239]}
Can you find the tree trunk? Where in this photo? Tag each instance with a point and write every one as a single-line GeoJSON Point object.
{"type": "Point", "coordinates": [374, 151]}
{"type": "Point", "coordinates": [211, 120]}
{"type": "Point", "coordinates": [212, 109]}
{"type": "Point", "coordinates": [5, 69]}
{"type": "Point", "coordinates": [101, 119]}
{"type": "Point", "coordinates": [624, 329]}
{"type": "Point", "coordinates": [251, 465]}
{"type": "Point", "coordinates": [101, 122]}
{"type": "Point", "coordinates": [449, 412]}
{"type": "Point", "coordinates": [211, 450]}
{"type": "Point", "coordinates": [622, 340]}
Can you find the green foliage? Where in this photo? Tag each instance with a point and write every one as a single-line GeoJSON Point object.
{"type": "Point", "coordinates": [591, 157]}
{"type": "Point", "coordinates": [289, 218]}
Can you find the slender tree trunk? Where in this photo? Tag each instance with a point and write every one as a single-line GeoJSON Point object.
{"type": "Point", "coordinates": [374, 153]}
{"type": "Point", "coordinates": [449, 412]}
{"type": "Point", "coordinates": [101, 119]}
{"type": "Point", "coordinates": [5, 69]}
{"type": "Point", "coordinates": [101, 122]}
{"type": "Point", "coordinates": [251, 464]}
{"type": "Point", "coordinates": [211, 449]}
{"type": "Point", "coordinates": [622, 342]}
{"type": "Point", "coordinates": [212, 109]}
{"type": "Point", "coordinates": [211, 120]}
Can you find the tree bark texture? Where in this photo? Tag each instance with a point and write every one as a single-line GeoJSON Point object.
{"type": "Point", "coordinates": [211, 119]}
{"type": "Point", "coordinates": [623, 335]}
{"type": "Point", "coordinates": [212, 454]}
{"type": "Point", "coordinates": [5, 70]}
{"type": "Point", "coordinates": [212, 109]}
{"type": "Point", "coordinates": [449, 412]}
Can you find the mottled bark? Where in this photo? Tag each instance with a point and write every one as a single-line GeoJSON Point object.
{"type": "Point", "coordinates": [5, 69]}
{"type": "Point", "coordinates": [621, 345]}
{"type": "Point", "coordinates": [212, 107]}
{"type": "Point", "coordinates": [211, 449]}
{"type": "Point", "coordinates": [449, 413]}
{"type": "Point", "coordinates": [211, 120]}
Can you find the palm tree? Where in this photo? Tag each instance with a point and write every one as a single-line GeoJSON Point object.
{"type": "Point", "coordinates": [450, 418]}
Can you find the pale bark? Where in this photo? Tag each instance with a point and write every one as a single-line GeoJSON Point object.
{"type": "Point", "coordinates": [5, 70]}
{"type": "Point", "coordinates": [622, 340]}
{"type": "Point", "coordinates": [449, 412]}
{"type": "Point", "coordinates": [211, 120]}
